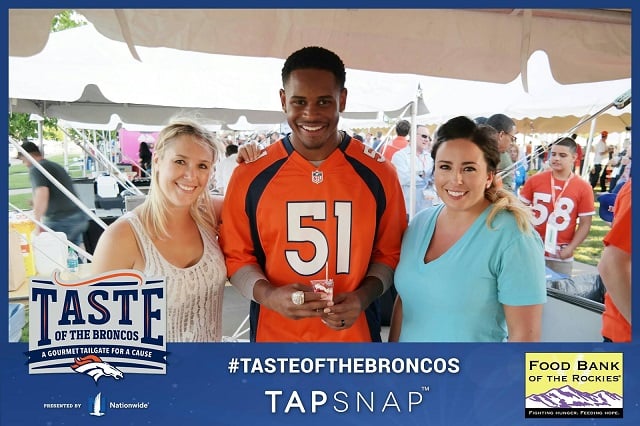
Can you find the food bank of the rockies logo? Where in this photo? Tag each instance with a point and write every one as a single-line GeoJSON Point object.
{"type": "Point", "coordinates": [104, 326]}
{"type": "Point", "coordinates": [573, 385]}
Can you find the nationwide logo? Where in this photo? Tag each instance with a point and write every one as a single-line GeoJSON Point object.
{"type": "Point", "coordinates": [573, 385]}
{"type": "Point", "coordinates": [104, 326]}
{"type": "Point", "coordinates": [97, 405]}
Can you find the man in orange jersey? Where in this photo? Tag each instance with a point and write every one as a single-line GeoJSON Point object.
{"type": "Point", "coordinates": [317, 204]}
{"type": "Point", "coordinates": [615, 270]}
{"type": "Point", "coordinates": [562, 205]}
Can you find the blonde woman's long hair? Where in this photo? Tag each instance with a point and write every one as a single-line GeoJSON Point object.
{"type": "Point", "coordinates": [486, 138]}
{"type": "Point", "coordinates": [154, 211]}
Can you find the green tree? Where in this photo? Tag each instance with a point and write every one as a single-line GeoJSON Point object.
{"type": "Point", "coordinates": [67, 19]}
{"type": "Point", "coordinates": [22, 128]}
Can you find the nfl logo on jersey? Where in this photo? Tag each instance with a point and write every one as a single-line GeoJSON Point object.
{"type": "Point", "coordinates": [316, 176]}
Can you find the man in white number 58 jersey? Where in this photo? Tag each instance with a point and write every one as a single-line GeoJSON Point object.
{"type": "Point", "coordinates": [562, 205]}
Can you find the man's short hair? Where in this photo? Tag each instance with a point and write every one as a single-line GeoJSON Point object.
{"type": "Point", "coordinates": [403, 127]}
{"type": "Point", "coordinates": [501, 123]}
{"type": "Point", "coordinates": [31, 148]}
{"type": "Point", "coordinates": [568, 142]}
{"type": "Point", "coordinates": [314, 57]}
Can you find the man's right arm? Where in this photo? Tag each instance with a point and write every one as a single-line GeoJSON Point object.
{"type": "Point", "coordinates": [245, 280]}
{"type": "Point", "coordinates": [615, 270]}
{"type": "Point", "coordinates": [40, 202]}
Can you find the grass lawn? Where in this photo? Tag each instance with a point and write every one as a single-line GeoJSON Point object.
{"type": "Point", "coordinates": [21, 201]}
{"type": "Point", "coordinates": [19, 179]}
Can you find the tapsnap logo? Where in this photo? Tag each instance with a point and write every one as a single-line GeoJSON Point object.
{"type": "Point", "coordinates": [573, 385]}
{"type": "Point", "coordinates": [104, 326]}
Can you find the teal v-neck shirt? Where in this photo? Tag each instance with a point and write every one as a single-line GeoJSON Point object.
{"type": "Point", "coordinates": [458, 297]}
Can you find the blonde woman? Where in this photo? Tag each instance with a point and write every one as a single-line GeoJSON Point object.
{"type": "Point", "coordinates": [174, 234]}
{"type": "Point", "coordinates": [471, 269]}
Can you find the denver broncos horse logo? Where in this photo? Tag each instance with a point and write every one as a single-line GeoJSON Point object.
{"type": "Point", "coordinates": [95, 367]}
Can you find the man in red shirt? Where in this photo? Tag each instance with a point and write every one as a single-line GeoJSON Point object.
{"type": "Point", "coordinates": [403, 127]}
{"type": "Point", "coordinates": [317, 203]}
{"type": "Point", "coordinates": [562, 205]}
{"type": "Point", "coordinates": [615, 270]}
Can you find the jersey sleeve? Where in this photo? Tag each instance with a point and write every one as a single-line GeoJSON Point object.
{"type": "Point", "coordinates": [235, 237]}
{"type": "Point", "coordinates": [37, 178]}
{"type": "Point", "coordinates": [620, 235]}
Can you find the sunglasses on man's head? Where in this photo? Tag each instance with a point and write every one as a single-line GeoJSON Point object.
{"type": "Point", "coordinates": [427, 137]}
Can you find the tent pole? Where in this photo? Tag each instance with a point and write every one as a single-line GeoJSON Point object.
{"type": "Point", "coordinates": [40, 141]}
{"type": "Point", "coordinates": [412, 163]}
{"type": "Point", "coordinates": [587, 151]}
{"type": "Point", "coordinates": [386, 138]}
{"type": "Point", "coordinates": [100, 158]}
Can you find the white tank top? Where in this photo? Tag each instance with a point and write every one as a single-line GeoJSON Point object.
{"type": "Point", "coordinates": [194, 294]}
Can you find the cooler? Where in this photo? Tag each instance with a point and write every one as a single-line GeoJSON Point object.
{"type": "Point", "coordinates": [50, 251]}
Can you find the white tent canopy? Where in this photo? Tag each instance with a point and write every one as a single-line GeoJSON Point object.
{"type": "Point", "coordinates": [547, 107]}
{"type": "Point", "coordinates": [486, 45]}
{"type": "Point", "coordinates": [90, 78]}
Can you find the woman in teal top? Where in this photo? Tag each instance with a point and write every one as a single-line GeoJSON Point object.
{"type": "Point", "coordinates": [471, 269]}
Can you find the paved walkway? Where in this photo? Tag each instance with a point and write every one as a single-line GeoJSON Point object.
{"type": "Point", "coordinates": [583, 268]}
{"type": "Point", "coordinates": [20, 191]}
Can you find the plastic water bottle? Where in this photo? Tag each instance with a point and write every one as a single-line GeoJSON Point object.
{"type": "Point", "coordinates": [72, 260]}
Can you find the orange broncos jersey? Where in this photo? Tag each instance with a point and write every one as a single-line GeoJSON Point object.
{"type": "Point", "coordinates": [614, 325]}
{"type": "Point", "coordinates": [290, 217]}
{"type": "Point", "coordinates": [575, 201]}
